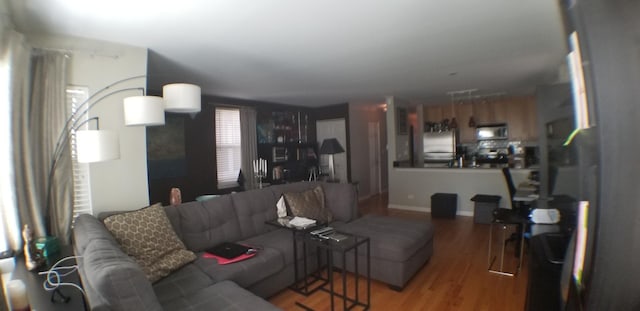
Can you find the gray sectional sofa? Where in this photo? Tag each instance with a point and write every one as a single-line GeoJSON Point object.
{"type": "Point", "coordinates": [113, 281]}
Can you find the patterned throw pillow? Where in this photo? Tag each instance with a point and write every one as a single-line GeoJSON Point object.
{"type": "Point", "coordinates": [147, 236]}
{"type": "Point", "coordinates": [309, 204]}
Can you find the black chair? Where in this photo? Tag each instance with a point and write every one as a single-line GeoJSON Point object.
{"type": "Point", "coordinates": [516, 208]}
{"type": "Point", "coordinates": [507, 178]}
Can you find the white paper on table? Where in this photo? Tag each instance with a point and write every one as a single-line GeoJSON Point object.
{"type": "Point", "coordinates": [301, 221]}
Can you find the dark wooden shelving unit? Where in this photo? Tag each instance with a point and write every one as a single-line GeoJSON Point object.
{"type": "Point", "coordinates": [286, 139]}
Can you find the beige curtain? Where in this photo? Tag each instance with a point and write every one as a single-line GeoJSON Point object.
{"type": "Point", "coordinates": [248, 145]}
{"type": "Point", "coordinates": [14, 64]}
{"type": "Point", "coordinates": [46, 121]}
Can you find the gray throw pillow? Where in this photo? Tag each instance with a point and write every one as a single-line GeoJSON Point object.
{"type": "Point", "coordinates": [148, 237]}
{"type": "Point", "coordinates": [309, 204]}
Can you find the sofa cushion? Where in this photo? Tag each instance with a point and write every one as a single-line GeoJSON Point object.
{"type": "Point", "coordinates": [181, 283]}
{"type": "Point", "coordinates": [253, 209]}
{"type": "Point", "coordinates": [391, 238]}
{"type": "Point", "coordinates": [113, 280]}
{"type": "Point", "coordinates": [280, 240]}
{"type": "Point", "coordinates": [203, 225]}
{"type": "Point", "coordinates": [224, 295]}
{"type": "Point", "coordinates": [147, 236]}
{"type": "Point", "coordinates": [266, 262]}
{"type": "Point", "coordinates": [309, 204]}
{"type": "Point", "coordinates": [342, 200]}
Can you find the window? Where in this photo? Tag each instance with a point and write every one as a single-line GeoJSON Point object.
{"type": "Point", "coordinates": [77, 95]}
{"type": "Point", "coordinates": [228, 152]}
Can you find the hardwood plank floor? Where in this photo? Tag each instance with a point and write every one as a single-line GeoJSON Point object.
{"type": "Point", "coordinates": [455, 278]}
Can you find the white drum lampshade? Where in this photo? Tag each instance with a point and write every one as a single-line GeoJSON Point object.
{"type": "Point", "coordinates": [143, 110]}
{"type": "Point", "coordinates": [97, 146]}
{"type": "Point", "coordinates": [181, 97]}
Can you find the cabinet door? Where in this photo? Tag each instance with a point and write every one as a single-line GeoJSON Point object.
{"type": "Point", "coordinates": [483, 112]}
{"type": "Point", "coordinates": [433, 114]}
{"type": "Point", "coordinates": [517, 119]}
{"type": "Point", "coordinates": [500, 111]}
{"type": "Point", "coordinates": [463, 113]}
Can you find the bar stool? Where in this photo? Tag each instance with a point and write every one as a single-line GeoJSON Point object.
{"type": "Point", "coordinates": [504, 218]}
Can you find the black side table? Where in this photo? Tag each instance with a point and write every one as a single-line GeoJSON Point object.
{"type": "Point", "coordinates": [41, 299]}
{"type": "Point", "coordinates": [345, 248]}
{"type": "Point", "coordinates": [305, 282]}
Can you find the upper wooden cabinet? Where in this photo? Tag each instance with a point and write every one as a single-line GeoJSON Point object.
{"type": "Point", "coordinates": [483, 112]}
{"type": "Point", "coordinates": [519, 113]}
{"type": "Point", "coordinates": [433, 113]}
{"type": "Point", "coordinates": [463, 112]}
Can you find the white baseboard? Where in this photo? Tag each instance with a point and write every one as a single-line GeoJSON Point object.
{"type": "Point", "coordinates": [410, 208]}
{"type": "Point", "coordinates": [426, 209]}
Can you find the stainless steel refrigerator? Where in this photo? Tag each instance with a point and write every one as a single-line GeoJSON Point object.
{"type": "Point", "coordinates": [439, 148]}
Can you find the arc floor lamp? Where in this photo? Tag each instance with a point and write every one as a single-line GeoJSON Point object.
{"type": "Point", "coordinates": [103, 145]}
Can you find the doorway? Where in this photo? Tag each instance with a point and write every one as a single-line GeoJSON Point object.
{"type": "Point", "coordinates": [375, 179]}
{"type": "Point", "coordinates": [334, 128]}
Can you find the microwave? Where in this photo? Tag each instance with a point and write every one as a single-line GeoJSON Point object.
{"type": "Point", "coordinates": [492, 131]}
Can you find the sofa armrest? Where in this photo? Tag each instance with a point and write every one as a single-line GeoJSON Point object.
{"type": "Point", "coordinates": [111, 279]}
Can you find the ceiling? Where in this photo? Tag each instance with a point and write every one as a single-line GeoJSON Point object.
{"type": "Point", "coordinates": [316, 53]}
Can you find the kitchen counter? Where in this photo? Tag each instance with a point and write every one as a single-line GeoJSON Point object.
{"type": "Point", "coordinates": [411, 188]}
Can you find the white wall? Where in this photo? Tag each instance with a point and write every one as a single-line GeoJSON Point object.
{"type": "Point", "coordinates": [119, 184]}
{"type": "Point", "coordinates": [360, 114]}
{"type": "Point", "coordinates": [412, 188]}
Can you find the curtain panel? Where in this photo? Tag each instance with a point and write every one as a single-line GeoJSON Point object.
{"type": "Point", "coordinates": [14, 84]}
{"type": "Point", "coordinates": [48, 112]}
{"type": "Point", "coordinates": [248, 145]}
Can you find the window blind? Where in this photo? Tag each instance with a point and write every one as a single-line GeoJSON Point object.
{"type": "Point", "coordinates": [228, 152]}
{"type": "Point", "coordinates": [76, 95]}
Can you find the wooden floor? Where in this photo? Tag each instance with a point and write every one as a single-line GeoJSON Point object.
{"type": "Point", "coordinates": [455, 278]}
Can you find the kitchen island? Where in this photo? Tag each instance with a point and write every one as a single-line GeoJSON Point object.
{"type": "Point", "coordinates": [411, 188]}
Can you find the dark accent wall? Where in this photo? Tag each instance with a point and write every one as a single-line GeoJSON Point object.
{"type": "Point", "coordinates": [199, 176]}
{"type": "Point", "coordinates": [200, 153]}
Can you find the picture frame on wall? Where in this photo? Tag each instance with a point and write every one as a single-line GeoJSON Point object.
{"type": "Point", "coordinates": [401, 121]}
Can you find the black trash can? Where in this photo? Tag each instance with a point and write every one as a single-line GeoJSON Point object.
{"type": "Point", "coordinates": [444, 205]}
{"type": "Point", "coordinates": [483, 207]}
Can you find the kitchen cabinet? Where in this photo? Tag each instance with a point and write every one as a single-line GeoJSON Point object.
{"type": "Point", "coordinates": [483, 112]}
{"type": "Point", "coordinates": [522, 119]}
{"type": "Point", "coordinates": [438, 113]}
{"type": "Point", "coordinates": [433, 113]}
{"type": "Point", "coordinates": [464, 111]}
{"type": "Point", "coordinates": [519, 113]}
{"type": "Point", "coordinates": [500, 111]}
{"type": "Point", "coordinates": [518, 123]}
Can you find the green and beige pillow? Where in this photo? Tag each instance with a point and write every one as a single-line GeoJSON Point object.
{"type": "Point", "coordinates": [148, 237]}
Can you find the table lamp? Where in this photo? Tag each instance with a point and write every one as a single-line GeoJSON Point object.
{"type": "Point", "coordinates": [331, 146]}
